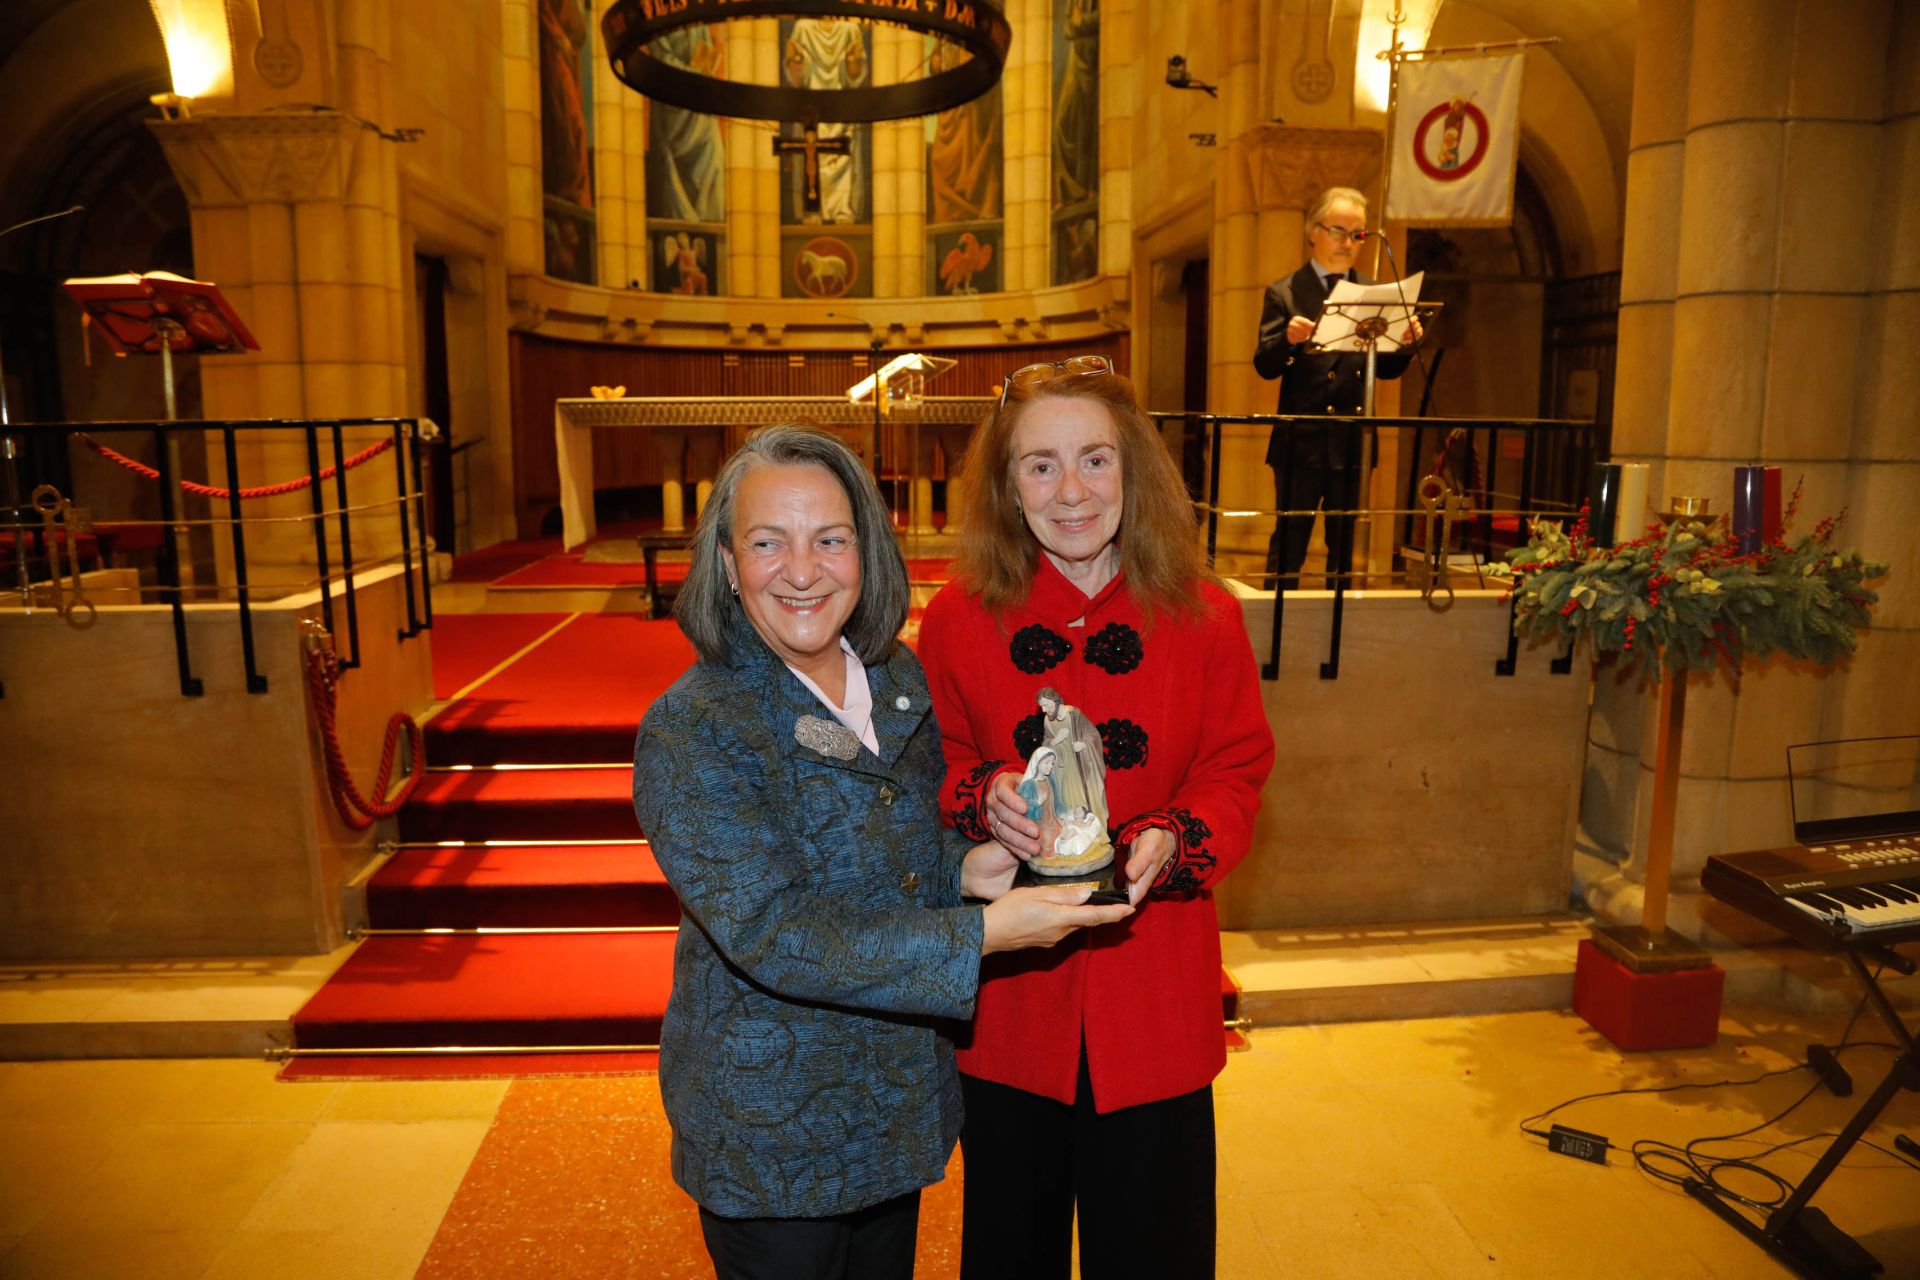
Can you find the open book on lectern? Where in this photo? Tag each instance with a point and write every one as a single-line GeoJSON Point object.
{"type": "Point", "coordinates": [131, 312]}
{"type": "Point", "coordinates": [1357, 312]}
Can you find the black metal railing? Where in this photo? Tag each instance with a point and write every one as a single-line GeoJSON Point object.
{"type": "Point", "coordinates": [407, 438]}
{"type": "Point", "coordinates": [1550, 481]}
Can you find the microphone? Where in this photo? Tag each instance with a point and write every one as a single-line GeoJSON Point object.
{"type": "Point", "coordinates": [45, 217]}
{"type": "Point", "coordinates": [1361, 236]}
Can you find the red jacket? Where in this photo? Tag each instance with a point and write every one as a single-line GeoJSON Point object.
{"type": "Point", "coordinates": [1187, 744]}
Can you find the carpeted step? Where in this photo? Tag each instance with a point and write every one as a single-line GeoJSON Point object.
{"type": "Point", "coordinates": [576, 698]}
{"type": "Point", "coordinates": [585, 989]}
{"type": "Point", "coordinates": [466, 646]}
{"type": "Point", "coordinates": [460, 735]}
{"type": "Point", "coordinates": [520, 886]}
{"type": "Point", "coordinates": [522, 804]}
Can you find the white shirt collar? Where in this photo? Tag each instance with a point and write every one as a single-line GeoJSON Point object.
{"type": "Point", "coordinates": [857, 715]}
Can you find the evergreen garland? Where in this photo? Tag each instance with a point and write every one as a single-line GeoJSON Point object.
{"type": "Point", "coordinates": [1687, 598]}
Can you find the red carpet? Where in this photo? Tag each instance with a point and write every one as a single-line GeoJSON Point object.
{"type": "Point", "coordinates": [576, 696]}
{"type": "Point", "coordinates": [585, 989]}
{"type": "Point", "coordinates": [569, 569]}
{"type": "Point", "coordinates": [576, 699]}
{"type": "Point", "coordinates": [522, 804]}
{"type": "Point", "coordinates": [479, 1066]}
{"type": "Point", "coordinates": [468, 645]}
{"type": "Point", "coordinates": [565, 886]}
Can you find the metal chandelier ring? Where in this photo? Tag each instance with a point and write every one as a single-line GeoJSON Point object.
{"type": "Point", "coordinates": [979, 26]}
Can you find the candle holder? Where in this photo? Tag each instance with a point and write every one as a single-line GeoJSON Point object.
{"type": "Point", "coordinates": [1686, 508]}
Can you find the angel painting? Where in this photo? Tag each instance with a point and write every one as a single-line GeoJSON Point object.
{"type": "Point", "coordinates": [685, 255]}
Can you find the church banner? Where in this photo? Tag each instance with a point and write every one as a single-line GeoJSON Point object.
{"type": "Point", "coordinates": [1455, 142]}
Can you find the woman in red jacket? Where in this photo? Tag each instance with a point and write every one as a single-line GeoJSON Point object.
{"type": "Point", "coordinates": [1088, 1072]}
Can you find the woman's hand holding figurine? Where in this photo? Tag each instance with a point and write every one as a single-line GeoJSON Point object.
{"type": "Point", "coordinates": [1033, 917]}
{"type": "Point", "coordinates": [1146, 857]}
{"type": "Point", "coordinates": [1007, 817]}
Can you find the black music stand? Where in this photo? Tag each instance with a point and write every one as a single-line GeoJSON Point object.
{"type": "Point", "coordinates": [1797, 1235]}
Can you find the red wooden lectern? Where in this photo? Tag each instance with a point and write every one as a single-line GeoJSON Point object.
{"type": "Point", "coordinates": [160, 313]}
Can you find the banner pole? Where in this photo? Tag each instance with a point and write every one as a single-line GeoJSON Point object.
{"type": "Point", "coordinates": [1386, 144]}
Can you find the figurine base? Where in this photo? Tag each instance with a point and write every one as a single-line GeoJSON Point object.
{"type": "Point", "coordinates": [1109, 884]}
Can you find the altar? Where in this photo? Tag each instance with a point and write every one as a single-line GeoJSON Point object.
{"type": "Point", "coordinates": [887, 444]}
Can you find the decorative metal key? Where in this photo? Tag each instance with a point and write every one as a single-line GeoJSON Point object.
{"type": "Point", "coordinates": [61, 524]}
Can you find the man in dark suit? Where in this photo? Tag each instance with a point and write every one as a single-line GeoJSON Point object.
{"type": "Point", "coordinates": [1311, 465]}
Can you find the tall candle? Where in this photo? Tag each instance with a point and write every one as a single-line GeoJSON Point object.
{"type": "Point", "coordinates": [1603, 503]}
{"type": "Point", "coordinates": [1630, 520]}
{"type": "Point", "coordinates": [1770, 504]}
{"type": "Point", "coordinates": [1749, 502]}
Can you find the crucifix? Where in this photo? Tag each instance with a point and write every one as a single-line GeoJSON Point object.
{"type": "Point", "coordinates": [811, 146]}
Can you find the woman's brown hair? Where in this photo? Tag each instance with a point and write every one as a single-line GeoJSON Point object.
{"type": "Point", "coordinates": [1159, 550]}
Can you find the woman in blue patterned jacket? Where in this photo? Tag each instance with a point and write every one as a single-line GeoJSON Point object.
{"type": "Point", "coordinates": [789, 784]}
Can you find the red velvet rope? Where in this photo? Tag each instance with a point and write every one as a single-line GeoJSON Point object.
{"type": "Point", "coordinates": [258, 491]}
{"type": "Point", "coordinates": [323, 679]}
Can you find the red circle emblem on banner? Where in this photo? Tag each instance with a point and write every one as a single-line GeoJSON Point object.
{"type": "Point", "coordinates": [1459, 170]}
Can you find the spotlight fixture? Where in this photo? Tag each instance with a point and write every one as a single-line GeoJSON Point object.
{"type": "Point", "coordinates": [1179, 77]}
{"type": "Point", "coordinates": [173, 106]}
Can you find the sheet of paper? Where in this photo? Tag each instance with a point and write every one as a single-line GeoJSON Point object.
{"type": "Point", "coordinates": [1392, 301]}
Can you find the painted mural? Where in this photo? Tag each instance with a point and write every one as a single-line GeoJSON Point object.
{"type": "Point", "coordinates": [966, 168]}
{"type": "Point", "coordinates": [566, 130]}
{"type": "Point", "coordinates": [838, 264]}
{"type": "Point", "coordinates": [1076, 140]}
{"type": "Point", "coordinates": [828, 53]}
{"type": "Point", "coordinates": [686, 260]}
{"type": "Point", "coordinates": [687, 173]}
{"type": "Point", "coordinates": [686, 153]}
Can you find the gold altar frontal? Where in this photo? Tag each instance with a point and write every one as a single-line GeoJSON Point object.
{"type": "Point", "coordinates": [886, 444]}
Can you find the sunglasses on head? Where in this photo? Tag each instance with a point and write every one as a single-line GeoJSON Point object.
{"type": "Point", "coordinates": [1027, 377]}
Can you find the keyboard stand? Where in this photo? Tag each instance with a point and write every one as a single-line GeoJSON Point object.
{"type": "Point", "coordinates": [1797, 1235]}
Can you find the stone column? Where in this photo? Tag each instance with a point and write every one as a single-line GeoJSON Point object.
{"type": "Point", "coordinates": [1117, 63]}
{"type": "Point", "coordinates": [753, 175]}
{"type": "Point", "coordinates": [1268, 175]}
{"type": "Point", "coordinates": [526, 244]}
{"type": "Point", "coordinates": [1029, 114]}
{"type": "Point", "coordinates": [892, 152]}
{"type": "Point", "coordinates": [296, 215]}
{"type": "Point", "coordinates": [1763, 274]}
{"type": "Point", "coordinates": [619, 176]}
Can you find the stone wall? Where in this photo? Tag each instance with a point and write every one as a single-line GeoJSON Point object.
{"type": "Point", "coordinates": [1418, 785]}
{"type": "Point", "coordinates": [140, 822]}
{"type": "Point", "coordinates": [1772, 272]}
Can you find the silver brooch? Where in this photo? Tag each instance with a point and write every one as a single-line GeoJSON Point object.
{"type": "Point", "coordinates": [828, 737]}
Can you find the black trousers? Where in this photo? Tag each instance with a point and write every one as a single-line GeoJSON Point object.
{"type": "Point", "coordinates": [1141, 1177]}
{"type": "Point", "coordinates": [875, 1243]}
{"type": "Point", "coordinates": [1302, 488]}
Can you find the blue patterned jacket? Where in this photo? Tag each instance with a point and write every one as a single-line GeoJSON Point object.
{"type": "Point", "coordinates": [803, 1061]}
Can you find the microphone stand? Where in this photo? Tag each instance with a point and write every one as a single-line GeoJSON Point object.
{"type": "Point", "coordinates": [10, 445]}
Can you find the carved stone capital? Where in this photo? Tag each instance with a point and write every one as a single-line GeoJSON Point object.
{"type": "Point", "coordinates": [267, 158]}
{"type": "Point", "coordinates": [524, 316]}
{"type": "Point", "coordinates": [1288, 168]}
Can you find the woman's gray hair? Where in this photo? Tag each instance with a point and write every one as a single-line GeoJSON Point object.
{"type": "Point", "coordinates": [707, 605]}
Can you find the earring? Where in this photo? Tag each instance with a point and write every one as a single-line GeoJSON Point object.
{"type": "Point", "coordinates": [735, 586]}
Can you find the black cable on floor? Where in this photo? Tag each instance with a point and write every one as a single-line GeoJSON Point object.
{"type": "Point", "coordinates": [1678, 1165]}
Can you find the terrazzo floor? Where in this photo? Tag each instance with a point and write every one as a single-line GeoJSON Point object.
{"type": "Point", "coordinates": [1378, 1149]}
